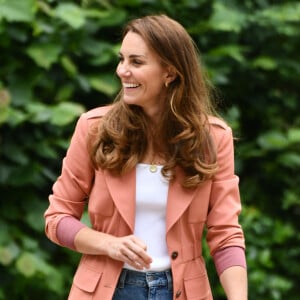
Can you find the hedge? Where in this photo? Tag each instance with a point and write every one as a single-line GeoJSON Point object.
{"type": "Point", "coordinates": [58, 59]}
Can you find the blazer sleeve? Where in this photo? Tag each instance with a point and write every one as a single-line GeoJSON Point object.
{"type": "Point", "coordinates": [72, 187]}
{"type": "Point", "coordinates": [223, 228]}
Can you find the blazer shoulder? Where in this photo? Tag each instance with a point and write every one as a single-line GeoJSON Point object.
{"type": "Point", "coordinates": [217, 123]}
{"type": "Point", "coordinates": [97, 112]}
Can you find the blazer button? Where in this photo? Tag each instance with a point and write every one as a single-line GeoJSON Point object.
{"type": "Point", "coordinates": [174, 255]}
{"type": "Point", "coordinates": [178, 293]}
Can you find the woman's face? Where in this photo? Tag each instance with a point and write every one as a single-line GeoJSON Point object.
{"type": "Point", "coordinates": [142, 75]}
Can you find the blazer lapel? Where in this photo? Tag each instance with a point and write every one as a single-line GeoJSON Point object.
{"type": "Point", "coordinates": [179, 199]}
{"type": "Point", "coordinates": [122, 190]}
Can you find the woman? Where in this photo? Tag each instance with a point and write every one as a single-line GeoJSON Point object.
{"type": "Point", "coordinates": [154, 168]}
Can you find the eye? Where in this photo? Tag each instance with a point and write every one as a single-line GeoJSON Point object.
{"type": "Point", "coordinates": [137, 62]}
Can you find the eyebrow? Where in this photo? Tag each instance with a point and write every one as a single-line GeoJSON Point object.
{"type": "Point", "coordinates": [134, 55]}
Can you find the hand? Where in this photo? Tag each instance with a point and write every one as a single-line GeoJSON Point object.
{"type": "Point", "coordinates": [130, 250]}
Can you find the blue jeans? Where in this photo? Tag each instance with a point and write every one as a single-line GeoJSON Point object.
{"type": "Point", "coordinates": [134, 285]}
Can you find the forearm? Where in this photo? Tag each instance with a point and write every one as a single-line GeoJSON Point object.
{"type": "Point", "coordinates": [234, 282]}
{"type": "Point", "coordinates": [128, 249]}
{"type": "Point", "coordinates": [75, 235]}
{"type": "Point", "coordinates": [90, 241]}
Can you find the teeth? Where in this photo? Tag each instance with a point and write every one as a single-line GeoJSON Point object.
{"type": "Point", "coordinates": [130, 85]}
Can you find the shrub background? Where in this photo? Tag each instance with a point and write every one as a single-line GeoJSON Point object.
{"type": "Point", "coordinates": [58, 59]}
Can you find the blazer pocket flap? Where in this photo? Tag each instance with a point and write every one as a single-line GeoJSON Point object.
{"type": "Point", "coordinates": [197, 288]}
{"type": "Point", "coordinates": [86, 279]}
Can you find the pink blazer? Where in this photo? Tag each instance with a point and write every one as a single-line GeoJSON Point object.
{"type": "Point", "coordinates": [111, 207]}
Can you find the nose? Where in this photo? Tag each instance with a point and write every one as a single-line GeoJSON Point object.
{"type": "Point", "coordinates": [123, 70]}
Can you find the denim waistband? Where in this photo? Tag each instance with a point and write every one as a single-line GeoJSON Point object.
{"type": "Point", "coordinates": [146, 279]}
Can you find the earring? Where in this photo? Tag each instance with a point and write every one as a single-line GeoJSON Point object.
{"type": "Point", "coordinates": [166, 84]}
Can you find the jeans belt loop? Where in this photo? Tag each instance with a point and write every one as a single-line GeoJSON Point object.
{"type": "Point", "coordinates": [169, 279]}
{"type": "Point", "coordinates": [122, 279]}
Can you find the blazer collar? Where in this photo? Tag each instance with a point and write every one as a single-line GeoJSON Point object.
{"type": "Point", "coordinates": [122, 189]}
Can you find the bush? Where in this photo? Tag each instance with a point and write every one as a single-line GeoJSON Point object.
{"type": "Point", "coordinates": [58, 60]}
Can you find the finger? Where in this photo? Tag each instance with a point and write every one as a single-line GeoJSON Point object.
{"type": "Point", "coordinates": [134, 261]}
{"type": "Point", "coordinates": [139, 243]}
{"type": "Point", "coordinates": [139, 263]}
{"type": "Point", "coordinates": [144, 263]}
{"type": "Point", "coordinates": [139, 248]}
{"type": "Point", "coordinates": [137, 257]}
{"type": "Point", "coordinates": [143, 256]}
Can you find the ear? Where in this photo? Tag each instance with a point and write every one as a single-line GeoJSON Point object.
{"type": "Point", "coordinates": [170, 75]}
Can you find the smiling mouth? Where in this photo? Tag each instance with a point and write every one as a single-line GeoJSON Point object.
{"type": "Point", "coordinates": [130, 85]}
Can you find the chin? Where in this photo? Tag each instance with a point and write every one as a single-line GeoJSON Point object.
{"type": "Point", "coordinates": [130, 101]}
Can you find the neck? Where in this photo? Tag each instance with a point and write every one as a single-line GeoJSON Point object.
{"type": "Point", "coordinates": [154, 115]}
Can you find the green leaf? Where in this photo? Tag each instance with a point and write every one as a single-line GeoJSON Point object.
{"type": "Point", "coordinates": [290, 199]}
{"type": "Point", "coordinates": [16, 153]}
{"type": "Point", "coordinates": [105, 83]}
{"type": "Point", "coordinates": [21, 91]}
{"type": "Point", "coordinates": [18, 10]}
{"type": "Point", "coordinates": [55, 276]}
{"type": "Point", "coordinates": [283, 18]}
{"type": "Point", "coordinates": [294, 135]}
{"type": "Point", "coordinates": [273, 140]}
{"type": "Point", "coordinates": [33, 216]}
{"type": "Point", "coordinates": [105, 18]}
{"type": "Point", "coordinates": [16, 117]}
{"type": "Point", "coordinates": [4, 98]}
{"type": "Point", "coordinates": [4, 232]}
{"type": "Point", "coordinates": [233, 51]}
{"type": "Point", "coordinates": [64, 92]}
{"type": "Point", "coordinates": [286, 12]}
{"type": "Point", "coordinates": [71, 14]}
{"type": "Point", "coordinates": [290, 160]}
{"type": "Point", "coordinates": [265, 258]}
{"type": "Point", "coordinates": [39, 112]}
{"type": "Point", "coordinates": [69, 65]}
{"type": "Point", "coordinates": [227, 18]}
{"type": "Point", "coordinates": [101, 52]}
{"type": "Point", "coordinates": [233, 117]}
{"type": "Point", "coordinates": [8, 253]}
{"type": "Point", "coordinates": [29, 243]}
{"type": "Point", "coordinates": [4, 105]}
{"type": "Point", "coordinates": [27, 264]}
{"type": "Point", "coordinates": [265, 62]}
{"type": "Point", "coordinates": [282, 232]}
{"type": "Point", "coordinates": [65, 113]}
{"type": "Point", "coordinates": [44, 54]}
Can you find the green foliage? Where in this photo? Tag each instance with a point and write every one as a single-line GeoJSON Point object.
{"type": "Point", "coordinates": [58, 59]}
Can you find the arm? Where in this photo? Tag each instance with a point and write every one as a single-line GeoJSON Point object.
{"type": "Point", "coordinates": [73, 234]}
{"type": "Point", "coordinates": [128, 249]}
{"type": "Point", "coordinates": [222, 220]}
{"type": "Point", "coordinates": [224, 230]}
{"type": "Point", "coordinates": [231, 267]}
{"type": "Point", "coordinates": [72, 187]}
{"type": "Point", "coordinates": [234, 282]}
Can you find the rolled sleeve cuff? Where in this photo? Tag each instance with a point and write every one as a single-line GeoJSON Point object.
{"type": "Point", "coordinates": [66, 231]}
{"type": "Point", "coordinates": [229, 257]}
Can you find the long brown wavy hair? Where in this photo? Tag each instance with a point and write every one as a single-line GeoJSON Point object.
{"type": "Point", "coordinates": [121, 138]}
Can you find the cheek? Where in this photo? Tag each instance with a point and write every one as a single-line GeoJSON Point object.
{"type": "Point", "coordinates": [157, 82]}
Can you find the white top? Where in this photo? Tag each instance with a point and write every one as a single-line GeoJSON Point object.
{"type": "Point", "coordinates": [150, 218]}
